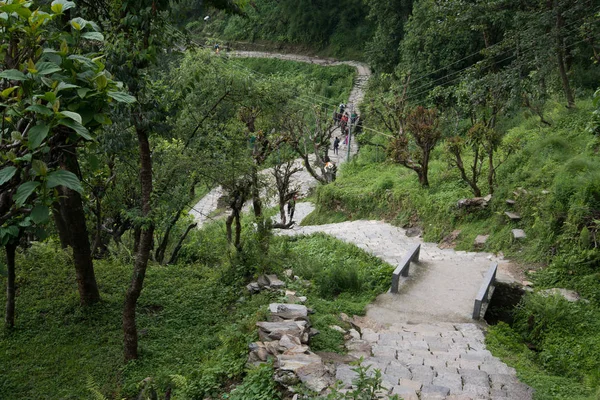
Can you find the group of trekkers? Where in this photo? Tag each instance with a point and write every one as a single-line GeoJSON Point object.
{"type": "Point", "coordinates": [341, 119]}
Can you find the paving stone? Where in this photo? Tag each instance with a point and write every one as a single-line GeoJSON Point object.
{"type": "Point", "coordinates": [498, 393]}
{"type": "Point", "coordinates": [434, 362]}
{"type": "Point", "coordinates": [345, 374]}
{"type": "Point", "coordinates": [388, 382]}
{"type": "Point", "coordinates": [477, 392]}
{"type": "Point", "coordinates": [499, 380]}
{"type": "Point", "coordinates": [468, 364]}
{"type": "Point", "coordinates": [386, 342]}
{"type": "Point", "coordinates": [497, 367]}
{"type": "Point", "coordinates": [410, 359]}
{"type": "Point", "coordinates": [415, 385]}
{"type": "Point", "coordinates": [418, 345]}
{"type": "Point", "coordinates": [519, 391]}
{"type": "Point", "coordinates": [475, 377]}
{"type": "Point", "coordinates": [458, 397]}
{"type": "Point", "coordinates": [451, 381]}
{"type": "Point", "coordinates": [446, 371]}
{"type": "Point", "coordinates": [476, 355]}
{"type": "Point", "coordinates": [398, 371]}
{"type": "Point", "coordinates": [437, 346]}
{"type": "Point", "coordinates": [383, 351]}
{"type": "Point", "coordinates": [422, 373]}
{"type": "Point", "coordinates": [395, 336]}
{"type": "Point", "coordinates": [435, 390]}
{"type": "Point", "coordinates": [405, 393]}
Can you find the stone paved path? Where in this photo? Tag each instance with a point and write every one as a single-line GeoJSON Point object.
{"type": "Point", "coordinates": [423, 339]}
{"type": "Point", "coordinates": [203, 210]}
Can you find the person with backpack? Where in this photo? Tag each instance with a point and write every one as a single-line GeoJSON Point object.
{"type": "Point", "coordinates": [292, 206]}
{"type": "Point", "coordinates": [336, 145]}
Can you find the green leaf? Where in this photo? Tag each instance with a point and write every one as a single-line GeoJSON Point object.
{"type": "Point", "coordinates": [63, 86]}
{"type": "Point", "coordinates": [24, 191]}
{"type": "Point", "coordinates": [77, 127]}
{"type": "Point", "coordinates": [13, 75]}
{"type": "Point", "coordinates": [79, 23]}
{"type": "Point", "coordinates": [122, 97]}
{"type": "Point", "coordinates": [47, 68]}
{"type": "Point", "coordinates": [73, 115]}
{"type": "Point", "coordinates": [58, 6]}
{"type": "Point", "coordinates": [93, 36]}
{"type": "Point", "coordinates": [6, 174]}
{"type": "Point", "coordinates": [39, 167]}
{"type": "Point", "coordinates": [39, 109]}
{"type": "Point", "coordinates": [6, 92]}
{"type": "Point", "coordinates": [82, 92]}
{"type": "Point", "coordinates": [36, 135]}
{"type": "Point", "coordinates": [40, 214]}
{"type": "Point", "coordinates": [64, 178]}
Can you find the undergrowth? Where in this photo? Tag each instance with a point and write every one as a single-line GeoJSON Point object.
{"type": "Point", "coordinates": [195, 319]}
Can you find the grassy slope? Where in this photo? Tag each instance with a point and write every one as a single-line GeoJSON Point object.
{"type": "Point", "coordinates": [558, 167]}
{"type": "Point", "coordinates": [194, 319]}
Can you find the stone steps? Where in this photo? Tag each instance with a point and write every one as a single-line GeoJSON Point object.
{"type": "Point", "coordinates": [435, 361]}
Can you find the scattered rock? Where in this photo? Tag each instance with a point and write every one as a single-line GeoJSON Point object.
{"type": "Point", "coordinates": [359, 323]}
{"type": "Point", "coordinates": [414, 232]}
{"type": "Point", "coordinates": [301, 299]}
{"type": "Point", "coordinates": [263, 281]}
{"type": "Point", "coordinates": [275, 330]}
{"type": "Point", "coordinates": [315, 376]}
{"type": "Point", "coordinates": [545, 192]}
{"type": "Point", "coordinates": [569, 295]}
{"type": "Point", "coordinates": [294, 362]}
{"type": "Point", "coordinates": [449, 241]}
{"type": "Point", "coordinates": [480, 240]}
{"type": "Point", "coordinates": [354, 334]}
{"type": "Point", "coordinates": [345, 318]}
{"type": "Point", "coordinates": [474, 203]}
{"type": "Point", "coordinates": [288, 311]}
{"type": "Point", "coordinates": [275, 282]}
{"type": "Point", "coordinates": [288, 273]}
{"type": "Point", "coordinates": [519, 234]}
{"type": "Point", "coordinates": [528, 283]}
{"type": "Point", "coordinates": [359, 348]}
{"type": "Point", "coordinates": [513, 216]}
{"type": "Point", "coordinates": [510, 202]}
{"type": "Point", "coordinates": [253, 287]}
{"type": "Point", "coordinates": [338, 328]}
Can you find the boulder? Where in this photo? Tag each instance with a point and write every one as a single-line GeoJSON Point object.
{"type": "Point", "coordinates": [270, 331]}
{"type": "Point", "coordinates": [359, 348]}
{"type": "Point", "coordinates": [414, 231]}
{"type": "Point", "coordinates": [474, 203]}
{"type": "Point", "coordinates": [519, 234]}
{"type": "Point", "coordinates": [480, 240]}
{"type": "Point", "coordinates": [253, 287]}
{"type": "Point", "coordinates": [449, 241]}
{"type": "Point", "coordinates": [513, 216]}
{"type": "Point", "coordinates": [262, 281]}
{"type": "Point", "coordinates": [315, 376]}
{"type": "Point", "coordinates": [275, 282]}
{"type": "Point", "coordinates": [289, 273]}
{"type": "Point", "coordinates": [292, 362]}
{"type": "Point", "coordinates": [288, 311]}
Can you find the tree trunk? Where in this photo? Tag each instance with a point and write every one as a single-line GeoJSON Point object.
{"type": "Point", "coordinates": [491, 171]}
{"type": "Point", "coordinates": [228, 224]}
{"type": "Point", "coordinates": [61, 227]}
{"type": "Point", "coordinates": [143, 253]}
{"type": "Point", "coordinates": [238, 231]}
{"type": "Point", "coordinates": [10, 284]}
{"type": "Point", "coordinates": [99, 247]}
{"type": "Point", "coordinates": [137, 234]}
{"type": "Point", "coordinates": [159, 255]}
{"type": "Point", "coordinates": [71, 207]}
{"type": "Point", "coordinates": [560, 57]}
{"type": "Point", "coordinates": [180, 243]}
{"type": "Point", "coordinates": [424, 172]}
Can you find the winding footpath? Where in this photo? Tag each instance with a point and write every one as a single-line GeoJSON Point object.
{"type": "Point", "coordinates": [205, 209]}
{"type": "Point", "coordinates": [422, 339]}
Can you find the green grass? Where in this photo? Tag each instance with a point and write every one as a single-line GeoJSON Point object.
{"type": "Point", "coordinates": [195, 319]}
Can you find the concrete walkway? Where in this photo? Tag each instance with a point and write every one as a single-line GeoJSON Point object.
{"type": "Point", "coordinates": [423, 339]}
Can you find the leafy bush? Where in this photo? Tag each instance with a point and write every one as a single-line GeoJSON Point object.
{"type": "Point", "coordinates": [257, 385]}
